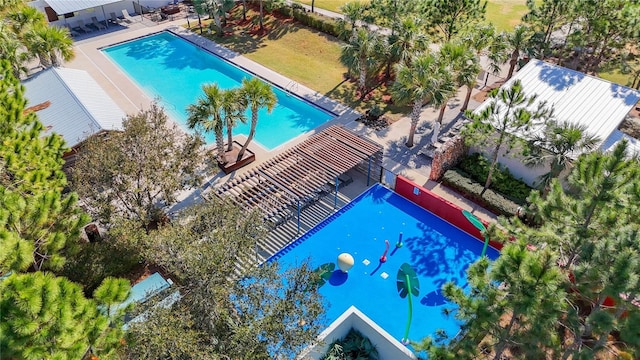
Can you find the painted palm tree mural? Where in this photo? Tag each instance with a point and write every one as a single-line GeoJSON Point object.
{"type": "Point", "coordinates": [408, 287]}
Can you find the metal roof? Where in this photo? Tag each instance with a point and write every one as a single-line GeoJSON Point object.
{"type": "Point", "coordinates": [597, 104]}
{"type": "Point", "coordinates": [79, 106]}
{"type": "Point", "coordinates": [69, 6]}
{"type": "Point", "coordinates": [300, 173]}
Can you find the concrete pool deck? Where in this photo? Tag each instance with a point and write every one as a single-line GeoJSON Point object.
{"type": "Point", "coordinates": [397, 157]}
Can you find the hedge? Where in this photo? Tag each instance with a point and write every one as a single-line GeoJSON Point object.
{"type": "Point", "coordinates": [477, 167]}
{"type": "Point", "coordinates": [318, 22]}
{"type": "Point", "coordinates": [471, 190]}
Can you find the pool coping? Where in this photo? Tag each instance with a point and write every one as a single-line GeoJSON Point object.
{"type": "Point", "coordinates": [131, 98]}
{"type": "Point", "coordinates": [217, 52]}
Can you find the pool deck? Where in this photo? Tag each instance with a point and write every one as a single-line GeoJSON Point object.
{"type": "Point", "coordinates": [397, 157]}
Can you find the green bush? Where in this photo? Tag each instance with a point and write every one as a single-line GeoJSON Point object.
{"type": "Point", "coordinates": [477, 167]}
{"type": "Point", "coordinates": [353, 346]}
{"type": "Point", "coordinates": [314, 21]}
{"type": "Point", "coordinates": [471, 189]}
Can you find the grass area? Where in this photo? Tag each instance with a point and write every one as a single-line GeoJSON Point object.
{"type": "Point", "coordinates": [331, 5]}
{"type": "Point", "coordinates": [504, 14]}
{"type": "Point", "coordinates": [301, 54]}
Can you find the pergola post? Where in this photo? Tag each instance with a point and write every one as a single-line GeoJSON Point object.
{"type": "Point", "coordinates": [335, 198]}
{"type": "Point", "coordinates": [369, 171]}
{"type": "Point", "coordinates": [299, 216]}
{"type": "Point", "coordinates": [105, 16]}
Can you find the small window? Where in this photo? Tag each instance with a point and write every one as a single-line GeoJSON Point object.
{"type": "Point", "coordinates": [416, 190]}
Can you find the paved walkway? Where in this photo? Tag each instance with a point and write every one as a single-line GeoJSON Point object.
{"type": "Point", "coordinates": [397, 157]}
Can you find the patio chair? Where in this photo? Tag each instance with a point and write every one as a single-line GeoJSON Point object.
{"type": "Point", "coordinates": [71, 31]}
{"type": "Point", "coordinates": [97, 23]}
{"type": "Point", "coordinates": [114, 19]}
{"type": "Point", "coordinates": [126, 16]}
{"type": "Point", "coordinates": [83, 27]}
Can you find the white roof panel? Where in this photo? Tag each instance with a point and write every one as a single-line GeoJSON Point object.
{"type": "Point", "coordinates": [79, 106]}
{"type": "Point", "coordinates": [597, 104]}
{"type": "Point", "coordinates": [69, 6]}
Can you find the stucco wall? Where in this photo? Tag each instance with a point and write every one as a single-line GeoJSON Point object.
{"type": "Point", "coordinates": [440, 207]}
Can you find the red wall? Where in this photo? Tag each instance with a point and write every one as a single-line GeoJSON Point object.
{"type": "Point", "coordinates": [440, 207]}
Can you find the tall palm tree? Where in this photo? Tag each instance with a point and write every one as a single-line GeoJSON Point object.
{"type": "Point", "coordinates": [515, 41]}
{"type": "Point", "coordinates": [51, 44]}
{"type": "Point", "coordinates": [206, 114]}
{"type": "Point", "coordinates": [24, 18]}
{"type": "Point", "coordinates": [408, 41]}
{"type": "Point", "coordinates": [353, 12]}
{"type": "Point", "coordinates": [233, 107]}
{"type": "Point", "coordinates": [358, 54]}
{"type": "Point", "coordinates": [483, 40]}
{"type": "Point", "coordinates": [12, 49]}
{"type": "Point", "coordinates": [256, 95]}
{"type": "Point", "coordinates": [462, 65]}
{"type": "Point", "coordinates": [558, 144]}
{"type": "Point", "coordinates": [424, 81]}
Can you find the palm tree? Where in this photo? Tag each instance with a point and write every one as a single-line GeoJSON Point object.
{"type": "Point", "coordinates": [207, 114]}
{"type": "Point", "coordinates": [50, 44]}
{"type": "Point", "coordinates": [408, 41]}
{"type": "Point", "coordinates": [25, 18]}
{"type": "Point", "coordinates": [558, 144]}
{"type": "Point", "coordinates": [483, 40]}
{"type": "Point", "coordinates": [12, 49]}
{"type": "Point", "coordinates": [256, 95]}
{"type": "Point", "coordinates": [515, 42]}
{"type": "Point", "coordinates": [359, 54]}
{"type": "Point", "coordinates": [233, 107]}
{"type": "Point", "coordinates": [353, 12]}
{"type": "Point", "coordinates": [424, 81]}
{"type": "Point", "coordinates": [463, 67]}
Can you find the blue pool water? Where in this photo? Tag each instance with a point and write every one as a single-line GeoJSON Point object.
{"type": "Point", "coordinates": [174, 70]}
{"type": "Point", "coordinates": [435, 249]}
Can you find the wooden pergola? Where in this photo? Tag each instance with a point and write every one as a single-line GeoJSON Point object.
{"type": "Point", "coordinates": [298, 176]}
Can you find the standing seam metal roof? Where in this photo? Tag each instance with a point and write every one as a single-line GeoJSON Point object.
{"type": "Point", "coordinates": [597, 104]}
{"type": "Point", "coordinates": [79, 106]}
{"type": "Point", "coordinates": [69, 6]}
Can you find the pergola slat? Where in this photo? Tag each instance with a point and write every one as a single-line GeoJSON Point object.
{"type": "Point", "coordinates": [300, 172]}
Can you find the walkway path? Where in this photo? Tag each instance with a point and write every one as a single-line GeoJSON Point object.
{"type": "Point", "coordinates": [398, 158]}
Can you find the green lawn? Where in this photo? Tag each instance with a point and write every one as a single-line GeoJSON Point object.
{"type": "Point", "coordinates": [505, 14]}
{"type": "Point", "coordinates": [301, 54]}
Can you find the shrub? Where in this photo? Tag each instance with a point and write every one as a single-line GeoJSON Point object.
{"type": "Point", "coordinates": [477, 167]}
{"type": "Point", "coordinates": [353, 346]}
{"type": "Point", "coordinates": [471, 190]}
{"type": "Point", "coordinates": [314, 21]}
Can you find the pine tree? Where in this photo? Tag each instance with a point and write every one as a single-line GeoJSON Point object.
{"type": "Point", "coordinates": [38, 223]}
{"type": "Point", "coordinates": [48, 317]}
{"type": "Point", "coordinates": [511, 305]}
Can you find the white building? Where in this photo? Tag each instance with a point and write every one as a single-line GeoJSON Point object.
{"type": "Point", "coordinates": [597, 104]}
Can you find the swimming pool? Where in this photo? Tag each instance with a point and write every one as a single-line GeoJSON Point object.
{"type": "Point", "coordinates": [172, 69]}
{"type": "Point", "coordinates": [437, 251]}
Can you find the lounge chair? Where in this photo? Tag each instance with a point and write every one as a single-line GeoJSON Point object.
{"type": "Point", "coordinates": [97, 23]}
{"type": "Point", "coordinates": [114, 19]}
{"type": "Point", "coordinates": [126, 16]}
{"type": "Point", "coordinates": [83, 27]}
{"type": "Point", "coordinates": [71, 31]}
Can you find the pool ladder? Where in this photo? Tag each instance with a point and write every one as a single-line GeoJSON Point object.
{"type": "Point", "coordinates": [291, 86]}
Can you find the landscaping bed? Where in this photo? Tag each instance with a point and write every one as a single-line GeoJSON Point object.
{"type": "Point", "coordinates": [505, 195]}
